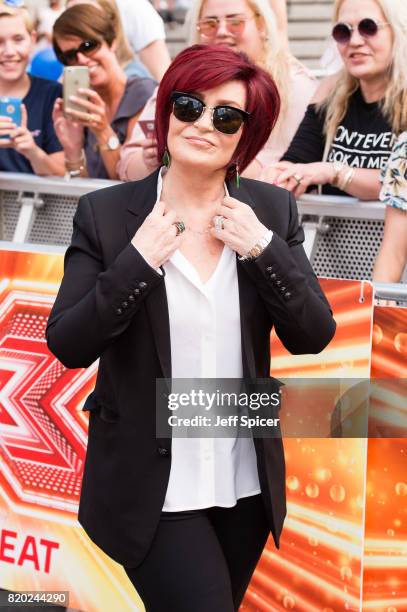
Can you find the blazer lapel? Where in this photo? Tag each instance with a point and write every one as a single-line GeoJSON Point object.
{"type": "Point", "coordinates": [144, 198]}
{"type": "Point", "coordinates": [140, 206]}
{"type": "Point", "coordinates": [247, 292]}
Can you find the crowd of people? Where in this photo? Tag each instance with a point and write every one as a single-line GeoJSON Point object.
{"type": "Point", "coordinates": [344, 134]}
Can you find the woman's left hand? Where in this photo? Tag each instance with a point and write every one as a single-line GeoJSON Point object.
{"type": "Point", "coordinates": [298, 177]}
{"type": "Point", "coordinates": [94, 115]}
{"type": "Point", "coordinates": [241, 228]}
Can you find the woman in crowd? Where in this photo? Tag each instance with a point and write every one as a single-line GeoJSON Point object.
{"type": "Point", "coordinates": [392, 257]}
{"type": "Point", "coordinates": [249, 26]}
{"type": "Point", "coordinates": [183, 275]}
{"type": "Point", "coordinates": [85, 36]}
{"type": "Point", "coordinates": [124, 54]}
{"type": "Point", "coordinates": [345, 140]}
{"type": "Point", "coordinates": [32, 146]}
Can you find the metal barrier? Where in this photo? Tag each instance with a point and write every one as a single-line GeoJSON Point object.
{"type": "Point", "coordinates": [396, 292]}
{"type": "Point", "coordinates": [342, 234]}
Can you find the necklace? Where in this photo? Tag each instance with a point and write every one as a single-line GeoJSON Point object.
{"type": "Point", "coordinates": [199, 232]}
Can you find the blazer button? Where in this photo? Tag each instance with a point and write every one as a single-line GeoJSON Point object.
{"type": "Point", "coordinates": [142, 285]}
{"type": "Point", "coordinates": [269, 269]}
{"type": "Point", "coordinates": [119, 311]}
{"type": "Point", "coordinates": [282, 289]}
{"type": "Point", "coordinates": [287, 295]}
{"type": "Point", "coordinates": [136, 291]}
{"type": "Point", "coordinates": [125, 305]}
{"type": "Point", "coordinates": [278, 283]}
{"type": "Point", "coordinates": [163, 451]}
{"type": "Point", "coordinates": [131, 298]}
{"type": "Point", "coordinates": [273, 276]}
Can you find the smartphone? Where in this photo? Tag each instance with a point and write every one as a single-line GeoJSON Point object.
{"type": "Point", "coordinates": [148, 127]}
{"type": "Point", "coordinates": [10, 107]}
{"type": "Point", "coordinates": [75, 77]}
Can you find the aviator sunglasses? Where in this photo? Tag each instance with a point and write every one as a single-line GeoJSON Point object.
{"type": "Point", "coordinates": [234, 24]}
{"type": "Point", "coordinates": [367, 28]}
{"type": "Point", "coordinates": [225, 119]}
{"type": "Point", "coordinates": [70, 57]}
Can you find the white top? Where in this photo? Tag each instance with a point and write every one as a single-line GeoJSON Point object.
{"type": "Point", "coordinates": [206, 343]}
{"type": "Point", "coordinates": [141, 23]}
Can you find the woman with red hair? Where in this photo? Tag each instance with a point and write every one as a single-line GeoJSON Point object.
{"type": "Point", "coordinates": [182, 275]}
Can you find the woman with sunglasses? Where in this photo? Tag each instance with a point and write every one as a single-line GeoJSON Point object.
{"type": "Point", "coordinates": [86, 36]}
{"type": "Point", "coordinates": [248, 26]}
{"type": "Point", "coordinates": [346, 138]}
{"type": "Point", "coordinates": [183, 275]}
{"type": "Point", "coordinates": [30, 144]}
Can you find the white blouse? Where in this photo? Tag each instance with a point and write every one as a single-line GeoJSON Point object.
{"type": "Point", "coordinates": [206, 343]}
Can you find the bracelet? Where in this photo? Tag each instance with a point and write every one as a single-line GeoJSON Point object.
{"type": "Point", "coordinates": [338, 167]}
{"type": "Point", "coordinates": [347, 179]}
{"type": "Point", "coordinates": [258, 248]}
{"type": "Point", "coordinates": [74, 169]}
{"type": "Point", "coordinates": [73, 165]}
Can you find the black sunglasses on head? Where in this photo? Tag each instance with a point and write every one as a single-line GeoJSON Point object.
{"type": "Point", "coordinates": [225, 119]}
{"type": "Point", "coordinates": [367, 28]}
{"type": "Point", "coordinates": [70, 57]}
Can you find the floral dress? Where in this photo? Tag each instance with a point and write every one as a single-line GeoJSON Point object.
{"type": "Point", "coordinates": [394, 176]}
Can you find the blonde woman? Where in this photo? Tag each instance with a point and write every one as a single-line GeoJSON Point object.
{"type": "Point", "coordinates": [345, 140]}
{"type": "Point", "coordinates": [249, 26]}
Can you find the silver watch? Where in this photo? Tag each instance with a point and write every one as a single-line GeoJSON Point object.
{"type": "Point", "coordinates": [112, 144]}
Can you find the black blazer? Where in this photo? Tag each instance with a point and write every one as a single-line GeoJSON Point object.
{"type": "Point", "coordinates": [112, 305]}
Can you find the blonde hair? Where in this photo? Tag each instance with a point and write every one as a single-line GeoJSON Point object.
{"type": "Point", "coordinates": [394, 103]}
{"type": "Point", "coordinates": [123, 51]}
{"type": "Point", "coordinates": [21, 11]}
{"type": "Point", "coordinates": [276, 59]}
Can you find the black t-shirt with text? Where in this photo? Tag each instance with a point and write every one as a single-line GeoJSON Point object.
{"type": "Point", "coordinates": [363, 139]}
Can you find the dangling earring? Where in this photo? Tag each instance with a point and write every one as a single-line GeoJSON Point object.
{"type": "Point", "coordinates": [166, 158]}
{"type": "Point", "coordinates": [237, 176]}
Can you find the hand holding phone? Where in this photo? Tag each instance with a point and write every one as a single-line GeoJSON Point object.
{"type": "Point", "coordinates": [75, 78]}
{"type": "Point", "coordinates": [10, 115]}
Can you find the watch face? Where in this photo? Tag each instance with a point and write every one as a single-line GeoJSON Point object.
{"type": "Point", "coordinates": [113, 143]}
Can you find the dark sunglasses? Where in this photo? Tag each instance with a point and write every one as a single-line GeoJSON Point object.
{"type": "Point", "coordinates": [225, 119]}
{"type": "Point", "coordinates": [367, 28]}
{"type": "Point", "coordinates": [70, 57]}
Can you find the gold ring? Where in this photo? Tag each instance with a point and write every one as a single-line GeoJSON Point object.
{"type": "Point", "coordinates": [180, 225]}
{"type": "Point", "coordinates": [298, 178]}
{"type": "Point", "coordinates": [92, 118]}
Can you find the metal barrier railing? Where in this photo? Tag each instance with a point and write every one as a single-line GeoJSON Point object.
{"type": "Point", "coordinates": [342, 235]}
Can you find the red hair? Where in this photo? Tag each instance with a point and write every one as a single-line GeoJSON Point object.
{"type": "Point", "coordinates": [203, 67]}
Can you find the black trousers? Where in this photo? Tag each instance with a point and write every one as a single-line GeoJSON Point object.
{"type": "Point", "coordinates": [202, 560]}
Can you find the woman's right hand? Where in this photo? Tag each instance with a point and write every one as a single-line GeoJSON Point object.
{"type": "Point", "coordinates": [156, 239]}
{"type": "Point", "coordinates": [70, 133]}
{"type": "Point", "coordinates": [270, 174]}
